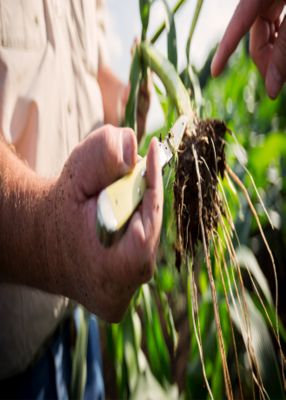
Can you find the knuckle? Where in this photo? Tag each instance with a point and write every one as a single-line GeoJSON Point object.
{"type": "Point", "coordinates": [107, 135]}
{"type": "Point", "coordinates": [110, 142]}
{"type": "Point", "coordinates": [109, 129]}
{"type": "Point", "coordinates": [128, 139]}
{"type": "Point", "coordinates": [129, 131]}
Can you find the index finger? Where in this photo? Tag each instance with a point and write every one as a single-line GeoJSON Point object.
{"type": "Point", "coordinates": [240, 23]}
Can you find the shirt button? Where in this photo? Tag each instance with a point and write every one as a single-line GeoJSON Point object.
{"type": "Point", "coordinates": [69, 107]}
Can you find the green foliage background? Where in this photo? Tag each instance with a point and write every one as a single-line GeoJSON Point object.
{"type": "Point", "coordinates": [153, 353]}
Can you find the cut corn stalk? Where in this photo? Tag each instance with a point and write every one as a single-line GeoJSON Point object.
{"type": "Point", "coordinates": [134, 78]}
{"type": "Point", "coordinates": [170, 79]}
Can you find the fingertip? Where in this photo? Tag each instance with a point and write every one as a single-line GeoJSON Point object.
{"type": "Point", "coordinates": [154, 142]}
{"type": "Point", "coordinates": [214, 66]}
{"type": "Point", "coordinates": [273, 81]}
{"type": "Point", "coordinates": [242, 19]}
{"type": "Point", "coordinates": [276, 76]}
{"type": "Point", "coordinates": [155, 146]}
{"type": "Point", "coordinates": [152, 151]}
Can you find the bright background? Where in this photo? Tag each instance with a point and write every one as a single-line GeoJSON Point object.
{"type": "Point", "coordinates": [124, 27]}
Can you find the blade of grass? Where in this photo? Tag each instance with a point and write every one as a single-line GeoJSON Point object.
{"type": "Point", "coordinates": [79, 371]}
{"type": "Point", "coordinates": [161, 28]}
{"type": "Point", "coordinates": [145, 6]}
{"type": "Point", "coordinates": [193, 27]}
{"type": "Point", "coordinates": [265, 354]}
{"type": "Point", "coordinates": [134, 79]}
{"type": "Point", "coordinates": [171, 35]}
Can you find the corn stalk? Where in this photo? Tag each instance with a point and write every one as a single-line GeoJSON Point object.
{"type": "Point", "coordinates": [169, 77]}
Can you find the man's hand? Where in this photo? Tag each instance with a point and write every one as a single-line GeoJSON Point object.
{"type": "Point", "coordinates": [70, 259]}
{"type": "Point", "coordinates": [267, 40]}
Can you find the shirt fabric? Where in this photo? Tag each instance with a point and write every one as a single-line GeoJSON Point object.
{"type": "Point", "coordinates": [49, 101]}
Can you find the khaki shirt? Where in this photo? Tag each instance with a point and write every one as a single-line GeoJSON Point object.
{"type": "Point", "coordinates": [49, 101]}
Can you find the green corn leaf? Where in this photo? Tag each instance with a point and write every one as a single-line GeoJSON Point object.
{"type": "Point", "coordinates": [168, 317]}
{"type": "Point", "coordinates": [160, 346]}
{"type": "Point", "coordinates": [162, 26]}
{"type": "Point", "coordinates": [148, 388]}
{"type": "Point", "coordinates": [79, 371]}
{"type": "Point", "coordinates": [262, 347]}
{"type": "Point", "coordinates": [272, 315]}
{"type": "Point", "coordinates": [134, 79]}
{"type": "Point", "coordinates": [137, 330]}
{"type": "Point", "coordinates": [192, 83]}
{"type": "Point", "coordinates": [170, 78]}
{"type": "Point", "coordinates": [193, 27]}
{"type": "Point", "coordinates": [247, 260]}
{"type": "Point", "coordinates": [147, 302]}
{"type": "Point", "coordinates": [144, 13]}
{"type": "Point", "coordinates": [270, 152]}
{"type": "Point", "coordinates": [131, 363]}
{"type": "Point", "coordinates": [132, 346]}
{"type": "Point", "coordinates": [155, 341]}
{"type": "Point", "coordinates": [163, 99]}
{"type": "Point", "coordinates": [171, 35]}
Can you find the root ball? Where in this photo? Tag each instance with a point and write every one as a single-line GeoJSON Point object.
{"type": "Point", "coordinates": [206, 144]}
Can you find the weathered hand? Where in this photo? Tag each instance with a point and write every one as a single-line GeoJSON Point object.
{"type": "Point", "coordinates": [103, 280]}
{"type": "Point", "coordinates": [267, 40]}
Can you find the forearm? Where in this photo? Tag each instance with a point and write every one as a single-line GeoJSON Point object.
{"type": "Point", "coordinates": [114, 96]}
{"type": "Point", "coordinates": [48, 233]}
{"type": "Point", "coordinates": [22, 228]}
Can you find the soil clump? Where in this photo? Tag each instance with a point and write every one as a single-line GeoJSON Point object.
{"type": "Point", "coordinates": [201, 150]}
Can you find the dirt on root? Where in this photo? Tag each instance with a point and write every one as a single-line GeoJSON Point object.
{"type": "Point", "coordinates": [201, 159]}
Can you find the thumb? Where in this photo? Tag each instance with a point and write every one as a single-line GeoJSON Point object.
{"type": "Point", "coordinates": [276, 72]}
{"type": "Point", "coordinates": [107, 154]}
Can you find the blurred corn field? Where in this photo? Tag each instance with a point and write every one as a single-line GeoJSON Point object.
{"type": "Point", "coordinates": [214, 329]}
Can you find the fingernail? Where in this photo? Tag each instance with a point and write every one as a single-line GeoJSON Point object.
{"type": "Point", "coordinates": [273, 81]}
{"type": "Point", "coordinates": [157, 152]}
{"type": "Point", "coordinates": [128, 144]}
{"type": "Point", "coordinates": [156, 146]}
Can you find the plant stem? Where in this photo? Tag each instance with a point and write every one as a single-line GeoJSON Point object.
{"type": "Point", "coordinates": [193, 27]}
{"type": "Point", "coordinates": [170, 78]}
{"type": "Point", "coordinates": [161, 28]}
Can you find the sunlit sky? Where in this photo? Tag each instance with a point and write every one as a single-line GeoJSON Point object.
{"type": "Point", "coordinates": [124, 27]}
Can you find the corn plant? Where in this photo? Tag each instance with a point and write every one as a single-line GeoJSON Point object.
{"type": "Point", "coordinates": [207, 325]}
